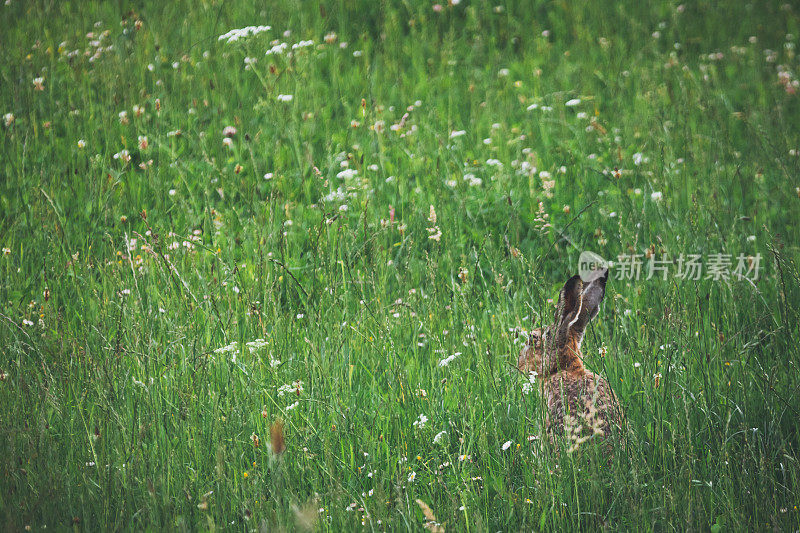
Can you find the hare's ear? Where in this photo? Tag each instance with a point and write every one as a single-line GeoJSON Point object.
{"type": "Point", "coordinates": [592, 295]}
{"type": "Point", "coordinates": [567, 310]}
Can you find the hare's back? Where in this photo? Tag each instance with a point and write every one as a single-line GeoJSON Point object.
{"type": "Point", "coordinates": [584, 401]}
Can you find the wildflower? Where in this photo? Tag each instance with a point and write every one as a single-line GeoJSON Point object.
{"type": "Point", "coordinates": [472, 181]}
{"type": "Point", "coordinates": [255, 439]}
{"type": "Point", "coordinates": [573, 102]}
{"type": "Point", "coordinates": [439, 436]}
{"type": "Point", "coordinates": [285, 97]}
{"type": "Point", "coordinates": [449, 359]}
{"type": "Point", "coordinates": [330, 38]}
{"type": "Point", "coordinates": [123, 117]}
{"type": "Point", "coordinates": [8, 118]}
{"type": "Point", "coordinates": [421, 421]}
{"type": "Point", "coordinates": [143, 143]}
{"type": "Point", "coordinates": [124, 155]}
{"type": "Point", "coordinates": [227, 142]}
{"type": "Point", "coordinates": [656, 196]}
{"type": "Point", "coordinates": [38, 84]}
{"type": "Point", "coordinates": [527, 387]}
{"type": "Point", "coordinates": [347, 173]}
{"type": "Point", "coordinates": [296, 387]}
{"type": "Point", "coordinates": [81, 143]}
{"type": "Point", "coordinates": [228, 131]}
{"type": "Point", "coordinates": [268, 176]}
{"type": "Point", "coordinates": [6, 250]}
{"type": "Point", "coordinates": [506, 445]}
{"type": "Point", "coordinates": [292, 406]}
{"type": "Point", "coordinates": [245, 474]}
{"type": "Point", "coordinates": [432, 215]}
{"type": "Point", "coordinates": [457, 133]}
{"type": "Point", "coordinates": [138, 111]}
{"type": "Point", "coordinates": [247, 31]}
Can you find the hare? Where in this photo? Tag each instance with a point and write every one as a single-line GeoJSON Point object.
{"type": "Point", "coordinates": [579, 402]}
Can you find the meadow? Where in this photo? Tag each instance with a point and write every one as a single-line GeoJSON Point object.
{"type": "Point", "coordinates": [265, 264]}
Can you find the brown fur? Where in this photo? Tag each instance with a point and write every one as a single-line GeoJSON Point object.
{"type": "Point", "coordinates": [572, 394]}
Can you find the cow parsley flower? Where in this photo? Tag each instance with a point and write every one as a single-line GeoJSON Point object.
{"type": "Point", "coordinates": [247, 31]}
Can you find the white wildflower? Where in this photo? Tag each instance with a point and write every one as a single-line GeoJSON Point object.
{"type": "Point", "coordinates": [247, 31]}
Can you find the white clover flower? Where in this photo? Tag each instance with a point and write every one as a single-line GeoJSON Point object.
{"type": "Point", "coordinates": [228, 131]}
{"type": "Point", "coordinates": [285, 97]}
{"type": "Point", "coordinates": [506, 445]}
{"type": "Point", "coordinates": [656, 196]}
{"type": "Point", "coordinates": [457, 133]}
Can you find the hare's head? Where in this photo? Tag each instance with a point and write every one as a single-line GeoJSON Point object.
{"type": "Point", "coordinates": [558, 347]}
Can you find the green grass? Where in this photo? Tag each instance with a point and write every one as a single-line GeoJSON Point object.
{"type": "Point", "coordinates": [117, 413]}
